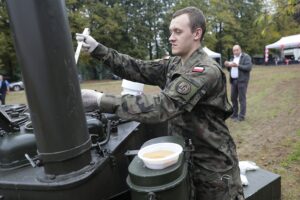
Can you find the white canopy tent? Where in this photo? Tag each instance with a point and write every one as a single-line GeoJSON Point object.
{"type": "Point", "coordinates": [292, 41]}
{"type": "Point", "coordinates": [211, 53]}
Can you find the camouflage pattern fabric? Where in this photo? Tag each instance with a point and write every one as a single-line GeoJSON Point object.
{"type": "Point", "coordinates": [194, 101]}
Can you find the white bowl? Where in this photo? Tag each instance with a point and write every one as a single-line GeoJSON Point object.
{"type": "Point", "coordinates": [160, 155]}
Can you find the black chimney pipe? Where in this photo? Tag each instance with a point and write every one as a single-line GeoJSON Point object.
{"type": "Point", "coordinates": [45, 52]}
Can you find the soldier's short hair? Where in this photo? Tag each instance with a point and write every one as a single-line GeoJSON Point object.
{"type": "Point", "coordinates": [196, 17]}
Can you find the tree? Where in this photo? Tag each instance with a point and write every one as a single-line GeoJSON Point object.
{"type": "Point", "coordinates": [281, 21]}
{"type": "Point", "coordinates": [246, 12]}
{"type": "Point", "coordinates": [222, 26]}
{"type": "Point", "coordinates": [293, 9]}
{"type": "Point", "coordinates": [8, 61]}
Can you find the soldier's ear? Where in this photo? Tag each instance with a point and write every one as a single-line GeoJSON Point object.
{"type": "Point", "coordinates": [197, 34]}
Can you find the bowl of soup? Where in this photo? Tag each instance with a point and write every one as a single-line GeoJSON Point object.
{"type": "Point", "coordinates": [160, 155]}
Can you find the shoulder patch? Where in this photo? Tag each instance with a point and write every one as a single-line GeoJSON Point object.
{"type": "Point", "coordinates": [183, 87]}
{"type": "Point", "coordinates": [198, 69]}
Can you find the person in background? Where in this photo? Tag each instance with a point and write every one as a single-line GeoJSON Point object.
{"type": "Point", "coordinates": [276, 60]}
{"type": "Point", "coordinates": [4, 88]}
{"type": "Point", "coordinates": [239, 68]}
{"type": "Point", "coordinates": [193, 100]}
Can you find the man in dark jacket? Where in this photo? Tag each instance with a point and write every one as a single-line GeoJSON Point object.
{"type": "Point", "coordinates": [193, 100]}
{"type": "Point", "coordinates": [239, 68]}
{"type": "Point", "coordinates": [4, 88]}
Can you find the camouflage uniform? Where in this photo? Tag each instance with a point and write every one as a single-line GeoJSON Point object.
{"type": "Point", "coordinates": [194, 100]}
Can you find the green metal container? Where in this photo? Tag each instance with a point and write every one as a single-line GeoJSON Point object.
{"type": "Point", "coordinates": [165, 184]}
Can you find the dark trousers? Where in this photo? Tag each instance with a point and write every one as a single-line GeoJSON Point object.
{"type": "Point", "coordinates": [238, 98]}
{"type": "Point", "coordinates": [2, 98]}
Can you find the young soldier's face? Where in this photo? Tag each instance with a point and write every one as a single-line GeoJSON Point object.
{"type": "Point", "coordinates": [181, 36]}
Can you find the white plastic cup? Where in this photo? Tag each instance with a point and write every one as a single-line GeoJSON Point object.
{"type": "Point", "coordinates": [132, 88]}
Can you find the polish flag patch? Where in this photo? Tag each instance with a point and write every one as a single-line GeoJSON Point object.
{"type": "Point", "coordinates": [198, 69]}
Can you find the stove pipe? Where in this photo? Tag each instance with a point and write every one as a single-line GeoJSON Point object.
{"type": "Point", "coordinates": [44, 49]}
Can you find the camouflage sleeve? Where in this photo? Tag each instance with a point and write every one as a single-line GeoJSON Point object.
{"type": "Point", "coordinates": [148, 72]}
{"type": "Point", "coordinates": [142, 108]}
{"type": "Point", "coordinates": [181, 95]}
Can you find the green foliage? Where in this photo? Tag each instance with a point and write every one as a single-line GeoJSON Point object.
{"type": "Point", "coordinates": [281, 22]}
{"type": "Point", "coordinates": [140, 28]}
{"type": "Point", "coordinates": [8, 61]}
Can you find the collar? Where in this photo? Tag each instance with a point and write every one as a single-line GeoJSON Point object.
{"type": "Point", "coordinates": [238, 56]}
{"type": "Point", "coordinates": [193, 59]}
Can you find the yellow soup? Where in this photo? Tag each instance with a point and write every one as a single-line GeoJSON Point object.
{"type": "Point", "coordinates": [158, 154]}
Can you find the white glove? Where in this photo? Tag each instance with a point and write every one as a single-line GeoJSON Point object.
{"type": "Point", "coordinates": [88, 42]}
{"type": "Point", "coordinates": [247, 166]}
{"type": "Point", "coordinates": [91, 99]}
{"type": "Point", "coordinates": [244, 167]}
{"type": "Point", "coordinates": [244, 179]}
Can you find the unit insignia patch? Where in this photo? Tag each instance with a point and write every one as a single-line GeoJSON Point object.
{"type": "Point", "coordinates": [183, 87]}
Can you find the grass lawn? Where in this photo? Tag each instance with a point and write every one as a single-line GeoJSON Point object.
{"type": "Point", "coordinates": [270, 136]}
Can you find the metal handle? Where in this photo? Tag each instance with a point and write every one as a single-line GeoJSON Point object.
{"type": "Point", "coordinates": [152, 196]}
{"type": "Point", "coordinates": [86, 31]}
{"type": "Point", "coordinates": [32, 163]}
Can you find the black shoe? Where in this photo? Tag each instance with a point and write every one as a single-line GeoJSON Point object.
{"type": "Point", "coordinates": [234, 117]}
{"type": "Point", "coordinates": [240, 119]}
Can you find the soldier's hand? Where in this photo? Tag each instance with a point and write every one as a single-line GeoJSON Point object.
{"type": "Point", "coordinates": [91, 99]}
{"type": "Point", "coordinates": [89, 43]}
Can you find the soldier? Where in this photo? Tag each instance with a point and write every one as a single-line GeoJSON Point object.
{"type": "Point", "coordinates": [193, 100]}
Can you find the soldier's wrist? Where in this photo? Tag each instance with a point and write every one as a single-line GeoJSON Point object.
{"type": "Point", "coordinates": [100, 51]}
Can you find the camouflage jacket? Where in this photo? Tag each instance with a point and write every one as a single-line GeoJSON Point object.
{"type": "Point", "coordinates": [193, 100]}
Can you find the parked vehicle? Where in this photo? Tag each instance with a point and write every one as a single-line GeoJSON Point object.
{"type": "Point", "coordinates": [115, 77]}
{"type": "Point", "coordinates": [16, 86]}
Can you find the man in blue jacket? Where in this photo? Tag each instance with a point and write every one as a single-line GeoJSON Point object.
{"type": "Point", "coordinates": [239, 68]}
{"type": "Point", "coordinates": [4, 88]}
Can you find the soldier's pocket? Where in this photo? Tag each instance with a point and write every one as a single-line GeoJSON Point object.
{"type": "Point", "coordinates": [213, 190]}
{"type": "Point", "coordinates": [212, 185]}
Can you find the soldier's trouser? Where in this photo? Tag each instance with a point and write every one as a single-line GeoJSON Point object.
{"type": "Point", "coordinates": [211, 185]}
